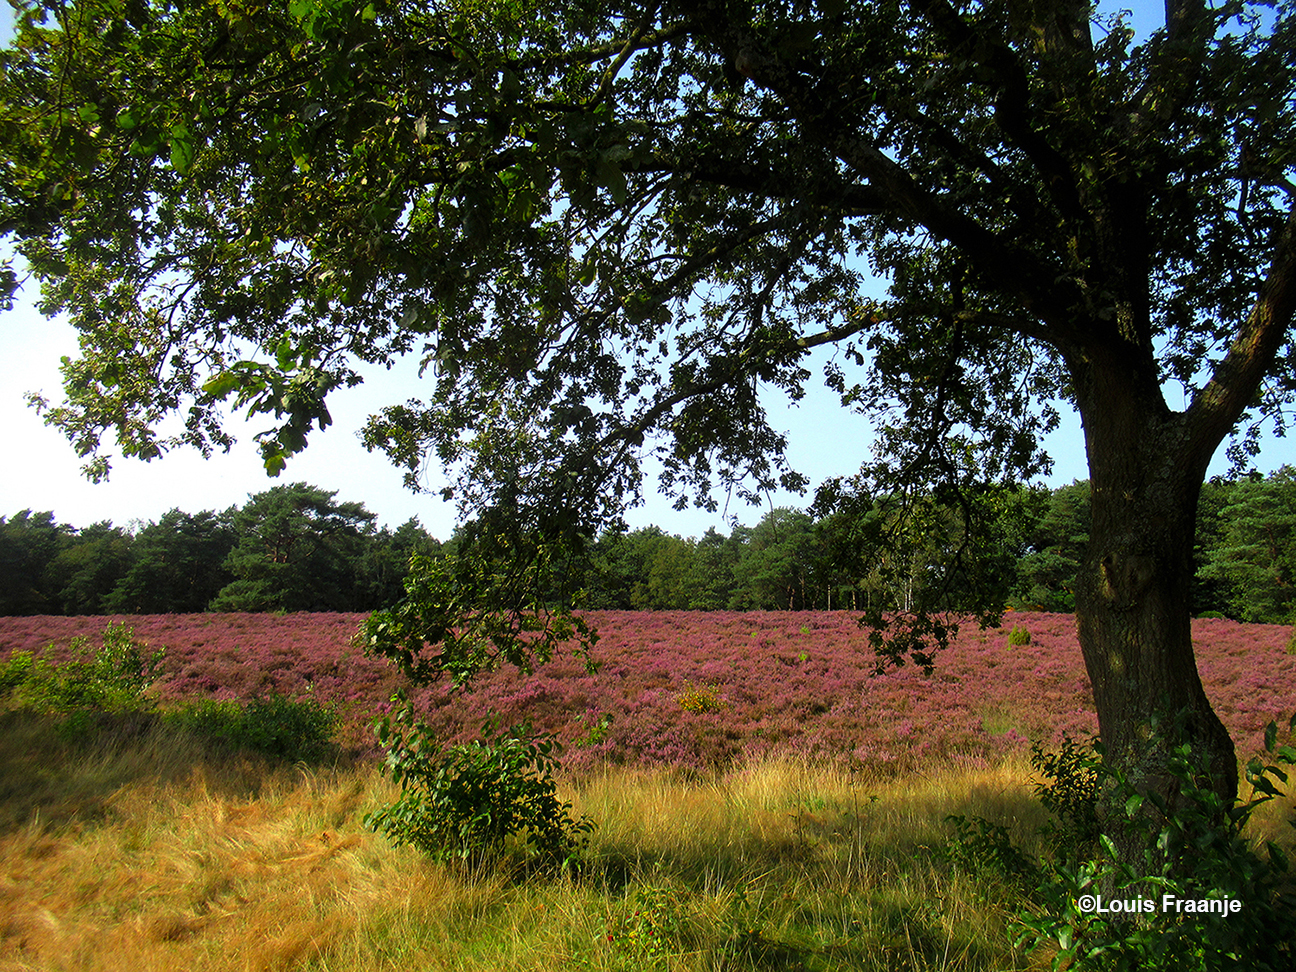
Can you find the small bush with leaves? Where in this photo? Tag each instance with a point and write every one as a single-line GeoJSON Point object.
{"type": "Point", "coordinates": [464, 802]}
{"type": "Point", "coordinates": [1193, 850]}
{"type": "Point", "coordinates": [293, 730]}
{"type": "Point", "coordinates": [701, 698]}
{"type": "Point", "coordinates": [654, 930]}
{"type": "Point", "coordinates": [981, 847]}
{"type": "Point", "coordinates": [1018, 636]}
{"type": "Point", "coordinates": [112, 678]}
{"type": "Point", "coordinates": [1072, 797]}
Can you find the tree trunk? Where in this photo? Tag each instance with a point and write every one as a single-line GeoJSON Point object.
{"type": "Point", "coordinates": [1133, 609]}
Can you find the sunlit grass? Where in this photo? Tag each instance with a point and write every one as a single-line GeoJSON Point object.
{"type": "Point", "coordinates": [148, 851]}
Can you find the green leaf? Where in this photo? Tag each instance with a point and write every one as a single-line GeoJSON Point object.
{"type": "Point", "coordinates": [285, 356]}
{"type": "Point", "coordinates": [1270, 736]}
{"type": "Point", "coordinates": [588, 270]}
{"type": "Point", "coordinates": [1262, 784]}
{"type": "Point", "coordinates": [1108, 846]}
{"type": "Point", "coordinates": [305, 12]}
{"type": "Point", "coordinates": [221, 385]}
{"type": "Point", "coordinates": [608, 175]}
{"type": "Point", "coordinates": [182, 148]}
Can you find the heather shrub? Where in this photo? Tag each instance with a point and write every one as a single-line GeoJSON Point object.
{"type": "Point", "coordinates": [463, 803]}
{"type": "Point", "coordinates": [293, 730]}
{"type": "Point", "coordinates": [1018, 636]}
{"type": "Point", "coordinates": [826, 704]}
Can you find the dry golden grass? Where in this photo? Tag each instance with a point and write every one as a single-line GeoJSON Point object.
{"type": "Point", "coordinates": [149, 853]}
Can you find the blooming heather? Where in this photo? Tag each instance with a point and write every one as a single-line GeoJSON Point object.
{"type": "Point", "coordinates": [794, 682]}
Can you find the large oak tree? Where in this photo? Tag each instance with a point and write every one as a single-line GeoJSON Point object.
{"type": "Point", "coordinates": [603, 227]}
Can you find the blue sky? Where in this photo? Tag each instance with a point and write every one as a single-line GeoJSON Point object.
{"type": "Point", "coordinates": [44, 474]}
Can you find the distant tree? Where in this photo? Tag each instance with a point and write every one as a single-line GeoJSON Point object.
{"type": "Point", "coordinates": [632, 557]}
{"type": "Point", "coordinates": [1255, 556]}
{"type": "Point", "coordinates": [1210, 592]}
{"type": "Point", "coordinates": [711, 583]}
{"type": "Point", "coordinates": [774, 573]}
{"type": "Point", "coordinates": [668, 583]}
{"type": "Point", "coordinates": [1056, 549]}
{"type": "Point", "coordinates": [178, 565]}
{"type": "Point", "coordinates": [90, 563]}
{"type": "Point", "coordinates": [297, 550]}
{"type": "Point", "coordinates": [386, 560]}
{"type": "Point", "coordinates": [28, 543]}
{"type": "Point", "coordinates": [604, 577]}
{"type": "Point", "coordinates": [890, 553]}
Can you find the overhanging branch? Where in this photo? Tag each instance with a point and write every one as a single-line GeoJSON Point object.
{"type": "Point", "coordinates": [1216, 408]}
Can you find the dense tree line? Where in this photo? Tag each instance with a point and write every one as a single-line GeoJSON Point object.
{"type": "Point", "coordinates": [297, 548]}
{"type": "Point", "coordinates": [1245, 558]}
{"type": "Point", "coordinates": [292, 548]}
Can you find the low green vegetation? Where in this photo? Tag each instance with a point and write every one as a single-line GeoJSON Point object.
{"type": "Point", "coordinates": [464, 803]}
{"type": "Point", "coordinates": [292, 730]}
{"type": "Point", "coordinates": [110, 679]}
{"type": "Point", "coordinates": [1018, 636]}
{"type": "Point", "coordinates": [108, 686]}
{"type": "Point", "coordinates": [1177, 857]}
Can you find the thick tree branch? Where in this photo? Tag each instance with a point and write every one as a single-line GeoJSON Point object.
{"type": "Point", "coordinates": [1013, 112]}
{"type": "Point", "coordinates": [1175, 66]}
{"type": "Point", "coordinates": [1019, 271]}
{"type": "Point", "coordinates": [1216, 408]}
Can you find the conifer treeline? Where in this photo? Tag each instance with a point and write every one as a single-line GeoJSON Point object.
{"type": "Point", "coordinates": [296, 548]}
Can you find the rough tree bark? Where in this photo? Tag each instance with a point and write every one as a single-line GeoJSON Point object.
{"type": "Point", "coordinates": [1147, 464]}
{"type": "Point", "coordinates": [1133, 606]}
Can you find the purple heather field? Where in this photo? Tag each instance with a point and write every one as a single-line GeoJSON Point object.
{"type": "Point", "coordinates": [698, 690]}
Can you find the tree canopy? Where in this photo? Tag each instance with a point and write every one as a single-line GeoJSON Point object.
{"type": "Point", "coordinates": [602, 228]}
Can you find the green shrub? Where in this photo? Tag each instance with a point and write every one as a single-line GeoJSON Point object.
{"type": "Point", "coordinates": [1072, 797]}
{"type": "Point", "coordinates": [701, 698]}
{"type": "Point", "coordinates": [1018, 636]}
{"type": "Point", "coordinates": [1192, 851]}
{"type": "Point", "coordinates": [110, 679]}
{"type": "Point", "coordinates": [598, 730]}
{"type": "Point", "coordinates": [16, 671]}
{"type": "Point", "coordinates": [655, 928]}
{"type": "Point", "coordinates": [464, 802]}
{"type": "Point", "coordinates": [980, 847]}
{"type": "Point", "coordinates": [293, 730]}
